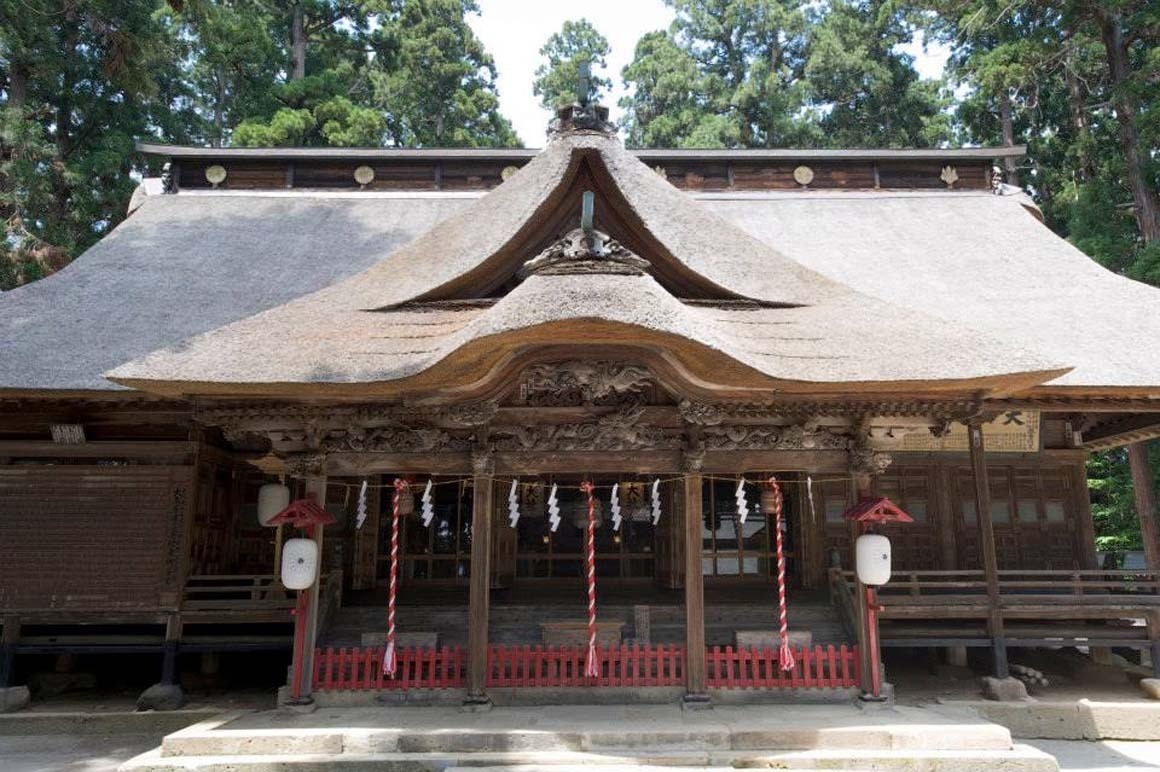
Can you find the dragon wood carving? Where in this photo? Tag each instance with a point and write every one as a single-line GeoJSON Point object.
{"type": "Point", "coordinates": [796, 437]}
{"type": "Point", "coordinates": [565, 383]}
{"type": "Point", "coordinates": [620, 430]}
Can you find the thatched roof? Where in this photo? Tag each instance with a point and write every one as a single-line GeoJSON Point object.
{"type": "Point", "coordinates": [341, 293]}
{"type": "Point", "coordinates": [184, 265]}
{"type": "Point", "coordinates": [809, 334]}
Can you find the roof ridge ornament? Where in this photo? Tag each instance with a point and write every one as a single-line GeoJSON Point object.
{"type": "Point", "coordinates": [585, 114]}
{"type": "Point", "coordinates": [585, 250]}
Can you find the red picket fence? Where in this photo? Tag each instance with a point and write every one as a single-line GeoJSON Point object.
{"type": "Point", "coordinates": [754, 668]}
{"type": "Point", "coordinates": [531, 666]}
{"type": "Point", "coordinates": [633, 666]}
{"type": "Point", "coordinates": [415, 668]}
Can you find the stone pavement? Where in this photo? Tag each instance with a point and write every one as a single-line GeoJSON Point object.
{"type": "Point", "coordinates": [72, 753]}
{"type": "Point", "coordinates": [1104, 756]}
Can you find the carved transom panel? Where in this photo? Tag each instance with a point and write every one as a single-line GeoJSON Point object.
{"type": "Point", "coordinates": [620, 430]}
{"type": "Point", "coordinates": [583, 382]}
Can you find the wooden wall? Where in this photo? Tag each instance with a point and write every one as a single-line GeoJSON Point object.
{"type": "Point", "coordinates": [1039, 511]}
{"type": "Point", "coordinates": [89, 537]}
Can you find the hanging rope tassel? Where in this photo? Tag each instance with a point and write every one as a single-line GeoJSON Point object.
{"type": "Point", "coordinates": [785, 654]}
{"type": "Point", "coordinates": [393, 586]}
{"type": "Point", "coordinates": [592, 663]}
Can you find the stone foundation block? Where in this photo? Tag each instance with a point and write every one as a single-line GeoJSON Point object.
{"type": "Point", "coordinates": [13, 698]}
{"type": "Point", "coordinates": [161, 697]}
{"type": "Point", "coordinates": [1151, 687]}
{"type": "Point", "coordinates": [1004, 689]}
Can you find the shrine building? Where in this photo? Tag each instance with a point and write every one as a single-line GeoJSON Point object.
{"type": "Point", "coordinates": [530, 386]}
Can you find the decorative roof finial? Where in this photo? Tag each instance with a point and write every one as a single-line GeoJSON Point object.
{"type": "Point", "coordinates": [584, 83]}
{"type": "Point", "coordinates": [585, 250]}
{"type": "Point", "coordinates": [585, 114]}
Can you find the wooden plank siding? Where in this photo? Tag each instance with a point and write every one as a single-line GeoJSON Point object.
{"type": "Point", "coordinates": [466, 174]}
{"type": "Point", "coordinates": [1036, 511]}
{"type": "Point", "coordinates": [93, 537]}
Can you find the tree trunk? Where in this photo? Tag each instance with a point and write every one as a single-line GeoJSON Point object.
{"type": "Point", "coordinates": [1010, 165]}
{"type": "Point", "coordinates": [1147, 204]}
{"type": "Point", "coordinates": [18, 86]}
{"type": "Point", "coordinates": [298, 43]}
{"type": "Point", "coordinates": [219, 111]}
{"type": "Point", "coordinates": [1075, 103]}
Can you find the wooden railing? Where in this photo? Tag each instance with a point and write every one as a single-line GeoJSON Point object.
{"type": "Point", "coordinates": [1015, 586]}
{"type": "Point", "coordinates": [752, 668]}
{"type": "Point", "coordinates": [235, 592]}
{"type": "Point", "coordinates": [529, 667]}
{"type": "Point", "coordinates": [535, 666]}
{"type": "Point", "coordinates": [842, 597]}
{"type": "Point", "coordinates": [362, 669]}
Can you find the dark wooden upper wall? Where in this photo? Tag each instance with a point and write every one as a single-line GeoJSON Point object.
{"type": "Point", "coordinates": [469, 170]}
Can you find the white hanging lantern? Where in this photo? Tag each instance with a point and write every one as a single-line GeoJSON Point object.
{"type": "Point", "coordinates": [299, 563]}
{"type": "Point", "coordinates": [272, 499]}
{"type": "Point", "coordinates": [872, 559]}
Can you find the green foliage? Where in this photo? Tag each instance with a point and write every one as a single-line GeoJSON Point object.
{"type": "Point", "coordinates": [1113, 502]}
{"type": "Point", "coordinates": [441, 93]}
{"type": "Point", "coordinates": [781, 73]}
{"type": "Point", "coordinates": [81, 81]}
{"type": "Point", "coordinates": [556, 79]}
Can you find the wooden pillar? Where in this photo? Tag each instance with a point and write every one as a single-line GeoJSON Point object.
{"type": "Point", "coordinates": [8, 641]}
{"type": "Point", "coordinates": [863, 485]}
{"type": "Point", "coordinates": [1086, 531]}
{"type": "Point", "coordinates": [1153, 619]}
{"type": "Point", "coordinates": [169, 674]}
{"type": "Point", "coordinates": [483, 467]}
{"type": "Point", "coordinates": [316, 489]}
{"type": "Point", "coordinates": [695, 693]}
{"type": "Point", "coordinates": [1145, 502]}
{"type": "Point", "coordinates": [987, 546]}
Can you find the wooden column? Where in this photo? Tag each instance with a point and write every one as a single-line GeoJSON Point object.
{"type": "Point", "coordinates": [170, 651]}
{"type": "Point", "coordinates": [483, 467]}
{"type": "Point", "coordinates": [863, 485]}
{"type": "Point", "coordinates": [316, 489]}
{"type": "Point", "coordinates": [1086, 531]}
{"type": "Point", "coordinates": [695, 693]}
{"type": "Point", "coordinates": [8, 640]}
{"type": "Point", "coordinates": [987, 545]}
{"type": "Point", "coordinates": [1145, 502]}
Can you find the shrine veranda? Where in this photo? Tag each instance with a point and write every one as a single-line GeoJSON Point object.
{"type": "Point", "coordinates": [854, 325]}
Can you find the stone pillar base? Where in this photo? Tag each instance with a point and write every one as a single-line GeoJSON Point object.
{"type": "Point", "coordinates": [696, 702]}
{"type": "Point", "coordinates": [476, 703]}
{"type": "Point", "coordinates": [161, 697]}
{"type": "Point", "coordinates": [885, 700]}
{"type": "Point", "coordinates": [13, 698]}
{"type": "Point", "coordinates": [304, 704]}
{"type": "Point", "coordinates": [956, 655]}
{"type": "Point", "coordinates": [1004, 689]}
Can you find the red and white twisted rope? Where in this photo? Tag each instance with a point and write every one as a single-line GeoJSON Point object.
{"type": "Point", "coordinates": [393, 586]}
{"type": "Point", "coordinates": [785, 654]}
{"type": "Point", "coordinates": [591, 663]}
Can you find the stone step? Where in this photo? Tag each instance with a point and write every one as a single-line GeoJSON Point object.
{"type": "Point", "coordinates": [1019, 758]}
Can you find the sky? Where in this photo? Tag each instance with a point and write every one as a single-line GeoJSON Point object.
{"type": "Point", "coordinates": [513, 31]}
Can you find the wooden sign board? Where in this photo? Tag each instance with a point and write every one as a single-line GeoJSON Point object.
{"type": "Point", "coordinates": [1016, 431]}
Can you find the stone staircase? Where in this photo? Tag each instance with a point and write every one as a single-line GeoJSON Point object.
{"type": "Point", "coordinates": [520, 624]}
{"type": "Point", "coordinates": [595, 739]}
